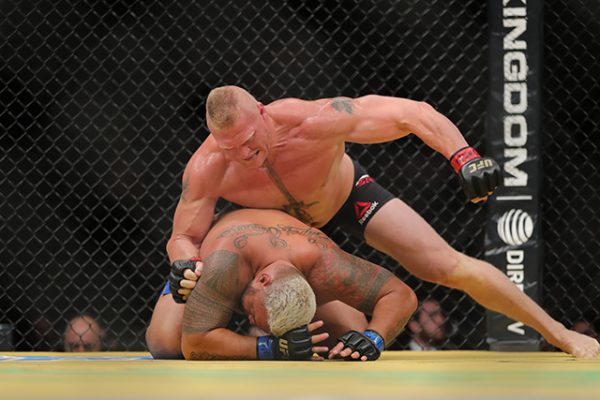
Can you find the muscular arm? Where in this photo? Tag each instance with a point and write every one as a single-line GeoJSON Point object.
{"type": "Point", "coordinates": [366, 287]}
{"type": "Point", "coordinates": [377, 119]}
{"type": "Point", "coordinates": [195, 209]}
{"type": "Point", "coordinates": [209, 308]}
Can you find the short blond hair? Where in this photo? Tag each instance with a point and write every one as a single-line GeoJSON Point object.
{"type": "Point", "coordinates": [290, 303]}
{"type": "Point", "coordinates": [222, 106]}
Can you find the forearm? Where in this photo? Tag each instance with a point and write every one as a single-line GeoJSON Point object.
{"type": "Point", "coordinates": [182, 247]}
{"type": "Point", "coordinates": [391, 314]}
{"type": "Point", "coordinates": [218, 344]}
{"type": "Point", "coordinates": [438, 132]}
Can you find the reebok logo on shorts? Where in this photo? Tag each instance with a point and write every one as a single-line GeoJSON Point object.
{"type": "Point", "coordinates": [364, 209]}
{"type": "Point", "coordinates": [363, 180]}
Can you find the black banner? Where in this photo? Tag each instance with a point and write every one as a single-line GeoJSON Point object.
{"type": "Point", "coordinates": [513, 240]}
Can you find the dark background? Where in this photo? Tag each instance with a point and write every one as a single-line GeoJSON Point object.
{"type": "Point", "coordinates": [103, 103]}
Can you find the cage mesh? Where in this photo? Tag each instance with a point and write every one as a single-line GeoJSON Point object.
{"type": "Point", "coordinates": [103, 103]}
{"type": "Point", "coordinates": [571, 155]}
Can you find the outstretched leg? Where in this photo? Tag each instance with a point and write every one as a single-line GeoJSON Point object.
{"type": "Point", "coordinates": [400, 232]}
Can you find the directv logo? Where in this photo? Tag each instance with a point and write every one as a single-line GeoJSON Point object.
{"type": "Point", "coordinates": [515, 227]}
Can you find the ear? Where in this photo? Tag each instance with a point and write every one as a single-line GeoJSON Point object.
{"type": "Point", "coordinates": [264, 279]}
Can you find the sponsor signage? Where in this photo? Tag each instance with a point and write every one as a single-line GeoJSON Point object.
{"type": "Point", "coordinates": [513, 238]}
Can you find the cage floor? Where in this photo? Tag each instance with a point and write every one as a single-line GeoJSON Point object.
{"type": "Point", "coordinates": [397, 375]}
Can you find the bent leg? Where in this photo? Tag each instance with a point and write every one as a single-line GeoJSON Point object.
{"type": "Point", "coordinates": [163, 336]}
{"type": "Point", "coordinates": [400, 232]}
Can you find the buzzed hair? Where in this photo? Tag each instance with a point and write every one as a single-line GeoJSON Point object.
{"type": "Point", "coordinates": [222, 106]}
{"type": "Point", "coordinates": [290, 303]}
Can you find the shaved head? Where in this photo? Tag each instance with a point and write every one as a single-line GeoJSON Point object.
{"type": "Point", "coordinates": [224, 105]}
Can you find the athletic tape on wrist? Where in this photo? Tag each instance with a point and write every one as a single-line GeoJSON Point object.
{"type": "Point", "coordinates": [376, 338]}
{"type": "Point", "coordinates": [264, 348]}
{"type": "Point", "coordinates": [462, 156]}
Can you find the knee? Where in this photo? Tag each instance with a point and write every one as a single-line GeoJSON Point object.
{"type": "Point", "coordinates": [163, 344]}
{"type": "Point", "coordinates": [445, 269]}
{"type": "Point", "coordinates": [461, 273]}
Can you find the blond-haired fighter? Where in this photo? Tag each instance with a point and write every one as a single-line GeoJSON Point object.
{"type": "Point", "coordinates": [278, 270]}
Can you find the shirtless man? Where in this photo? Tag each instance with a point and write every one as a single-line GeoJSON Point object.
{"type": "Point", "coordinates": [290, 155]}
{"type": "Point", "coordinates": [269, 261]}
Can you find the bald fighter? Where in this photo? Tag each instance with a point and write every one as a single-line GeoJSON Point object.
{"type": "Point", "coordinates": [278, 270]}
{"type": "Point", "coordinates": [290, 155]}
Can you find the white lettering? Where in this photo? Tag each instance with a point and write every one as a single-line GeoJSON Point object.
{"type": "Point", "coordinates": [368, 212]}
{"type": "Point", "coordinates": [517, 328]}
{"type": "Point", "coordinates": [516, 277]}
{"type": "Point", "coordinates": [519, 26]}
{"type": "Point", "coordinates": [515, 256]}
{"type": "Point", "coordinates": [515, 101]}
{"type": "Point", "coordinates": [515, 124]}
{"type": "Point", "coordinates": [515, 158]}
{"type": "Point", "coordinates": [515, 66]}
{"type": "Point", "coordinates": [515, 97]}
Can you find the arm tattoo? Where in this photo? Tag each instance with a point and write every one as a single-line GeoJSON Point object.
{"type": "Point", "coordinates": [215, 296]}
{"type": "Point", "coordinates": [185, 189]}
{"type": "Point", "coordinates": [241, 233]}
{"type": "Point", "coordinates": [208, 356]}
{"type": "Point", "coordinates": [343, 104]}
{"type": "Point", "coordinates": [357, 281]}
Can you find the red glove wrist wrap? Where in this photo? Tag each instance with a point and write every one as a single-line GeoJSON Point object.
{"type": "Point", "coordinates": [195, 259]}
{"type": "Point", "coordinates": [463, 156]}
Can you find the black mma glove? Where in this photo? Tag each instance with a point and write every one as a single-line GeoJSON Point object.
{"type": "Point", "coordinates": [478, 175]}
{"type": "Point", "coordinates": [369, 343]}
{"type": "Point", "coordinates": [292, 345]}
{"type": "Point", "coordinates": [176, 276]}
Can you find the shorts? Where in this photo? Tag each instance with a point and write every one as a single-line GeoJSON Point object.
{"type": "Point", "coordinates": [365, 200]}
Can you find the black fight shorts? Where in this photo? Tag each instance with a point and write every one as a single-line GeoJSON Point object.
{"type": "Point", "coordinates": [365, 200]}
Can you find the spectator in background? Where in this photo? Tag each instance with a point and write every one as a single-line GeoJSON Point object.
{"type": "Point", "coordinates": [427, 327]}
{"type": "Point", "coordinates": [584, 327]}
{"type": "Point", "coordinates": [83, 333]}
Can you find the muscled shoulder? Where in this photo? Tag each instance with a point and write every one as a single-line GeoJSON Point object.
{"type": "Point", "coordinates": [326, 117]}
{"type": "Point", "coordinates": [204, 171]}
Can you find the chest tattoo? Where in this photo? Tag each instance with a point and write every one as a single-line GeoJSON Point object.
{"type": "Point", "coordinates": [298, 209]}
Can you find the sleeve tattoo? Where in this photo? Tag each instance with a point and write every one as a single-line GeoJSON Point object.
{"type": "Point", "coordinates": [357, 281]}
{"type": "Point", "coordinates": [214, 298]}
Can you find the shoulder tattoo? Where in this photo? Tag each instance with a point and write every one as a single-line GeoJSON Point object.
{"type": "Point", "coordinates": [343, 104]}
{"type": "Point", "coordinates": [274, 234]}
{"type": "Point", "coordinates": [185, 189]}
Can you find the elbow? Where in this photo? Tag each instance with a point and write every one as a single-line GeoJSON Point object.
{"type": "Point", "coordinates": [408, 301]}
{"type": "Point", "coordinates": [412, 302]}
{"type": "Point", "coordinates": [195, 347]}
{"type": "Point", "coordinates": [425, 108]}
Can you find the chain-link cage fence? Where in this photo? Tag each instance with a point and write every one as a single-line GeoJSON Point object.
{"type": "Point", "coordinates": [571, 156]}
{"type": "Point", "coordinates": [103, 103]}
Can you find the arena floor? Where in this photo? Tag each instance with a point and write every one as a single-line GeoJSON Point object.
{"type": "Point", "coordinates": [397, 375]}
